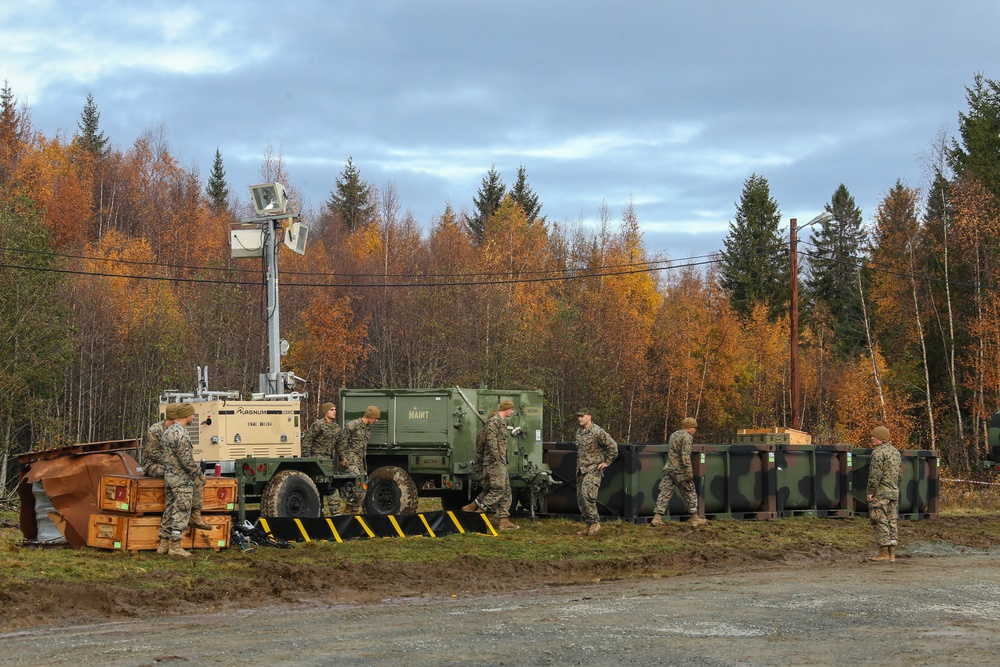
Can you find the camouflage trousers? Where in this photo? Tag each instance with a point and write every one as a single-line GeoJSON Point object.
{"type": "Point", "coordinates": [884, 515]}
{"type": "Point", "coordinates": [178, 493]}
{"type": "Point", "coordinates": [333, 503]}
{"type": "Point", "coordinates": [685, 487]}
{"type": "Point", "coordinates": [197, 492]}
{"type": "Point", "coordinates": [497, 496]}
{"type": "Point", "coordinates": [354, 496]}
{"type": "Point", "coordinates": [588, 485]}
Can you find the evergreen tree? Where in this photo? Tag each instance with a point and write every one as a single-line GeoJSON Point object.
{"type": "Point", "coordinates": [833, 275]}
{"type": "Point", "coordinates": [91, 138]}
{"type": "Point", "coordinates": [14, 131]}
{"type": "Point", "coordinates": [978, 153]}
{"type": "Point", "coordinates": [523, 195]}
{"type": "Point", "coordinates": [490, 196]}
{"type": "Point", "coordinates": [217, 189]}
{"type": "Point", "coordinates": [353, 200]}
{"type": "Point", "coordinates": [755, 259]}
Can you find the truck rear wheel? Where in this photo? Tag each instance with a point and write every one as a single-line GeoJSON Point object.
{"type": "Point", "coordinates": [391, 490]}
{"type": "Point", "coordinates": [290, 493]}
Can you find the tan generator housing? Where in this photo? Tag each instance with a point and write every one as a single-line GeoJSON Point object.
{"type": "Point", "coordinates": [226, 430]}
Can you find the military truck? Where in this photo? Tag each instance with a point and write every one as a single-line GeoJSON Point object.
{"type": "Point", "coordinates": [425, 445]}
{"type": "Point", "coordinates": [259, 442]}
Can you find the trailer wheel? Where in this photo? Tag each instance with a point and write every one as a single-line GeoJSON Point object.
{"type": "Point", "coordinates": [391, 490]}
{"type": "Point", "coordinates": [290, 493]}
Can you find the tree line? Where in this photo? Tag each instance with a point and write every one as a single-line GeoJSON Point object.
{"type": "Point", "coordinates": [109, 295]}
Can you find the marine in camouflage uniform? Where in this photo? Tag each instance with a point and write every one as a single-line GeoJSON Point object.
{"type": "Point", "coordinates": [595, 450]}
{"type": "Point", "coordinates": [678, 473]}
{"type": "Point", "coordinates": [496, 495]}
{"type": "Point", "coordinates": [352, 452]}
{"type": "Point", "coordinates": [484, 478]}
{"type": "Point", "coordinates": [152, 446]}
{"type": "Point", "coordinates": [152, 459]}
{"type": "Point", "coordinates": [322, 441]}
{"type": "Point", "coordinates": [180, 471]}
{"type": "Point", "coordinates": [884, 477]}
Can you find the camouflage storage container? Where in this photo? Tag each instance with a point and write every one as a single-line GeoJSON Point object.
{"type": "Point", "coordinates": [736, 481]}
{"type": "Point", "coordinates": [628, 490]}
{"type": "Point", "coordinates": [920, 490]}
{"type": "Point", "coordinates": [814, 480]}
{"type": "Point", "coordinates": [427, 438]}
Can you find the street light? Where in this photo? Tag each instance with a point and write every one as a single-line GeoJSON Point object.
{"type": "Point", "coordinates": [793, 310]}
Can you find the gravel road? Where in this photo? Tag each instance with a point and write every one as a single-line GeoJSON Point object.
{"type": "Point", "coordinates": [938, 606]}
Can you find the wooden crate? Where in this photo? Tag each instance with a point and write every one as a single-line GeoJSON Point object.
{"type": "Point", "coordinates": [141, 533]}
{"type": "Point", "coordinates": [217, 538]}
{"type": "Point", "coordinates": [777, 435]}
{"type": "Point", "coordinates": [141, 495]}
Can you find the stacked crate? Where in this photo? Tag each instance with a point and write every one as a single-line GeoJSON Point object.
{"type": "Point", "coordinates": [133, 508]}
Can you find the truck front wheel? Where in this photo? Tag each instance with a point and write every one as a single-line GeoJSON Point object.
{"type": "Point", "coordinates": [391, 490]}
{"type": "Point", "coordinates": [290, 493]}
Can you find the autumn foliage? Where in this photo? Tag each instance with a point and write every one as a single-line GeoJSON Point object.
{"type": "Point", "coordinates": [143, 293]}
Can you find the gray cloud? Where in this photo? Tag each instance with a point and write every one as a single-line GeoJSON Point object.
{"type": "Point", "coordinates": [670, 104]}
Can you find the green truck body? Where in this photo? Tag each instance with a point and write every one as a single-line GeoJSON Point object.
{"type": "Point", "coordinates": [424, 444]}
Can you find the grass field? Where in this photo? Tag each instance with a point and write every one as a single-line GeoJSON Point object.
{"type": "Point", "coordinates": [38, 584]}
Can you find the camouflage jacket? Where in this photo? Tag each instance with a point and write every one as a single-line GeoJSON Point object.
{"type": "Point", "coordinates": [679, 453]}
{"type": "Point", "coordinates": [593, 447]}
{"type": "Point", "coordinates": [152, 449]}
{"type": "Point", "coordinates": [178, 455]}
{"type": "Point", "coordinates": [885, 473]}
{"type": "Point", "coordinates": [495, 449]}
{"type": "Point", "coordinates": [322, 440]}
{"type": "Point", "coordinates": [353, 443]}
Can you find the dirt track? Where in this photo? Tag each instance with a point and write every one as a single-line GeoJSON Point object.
{"type": "Point", "coordinates": [937, 606]}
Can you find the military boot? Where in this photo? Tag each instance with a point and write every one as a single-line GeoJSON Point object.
{"type": "Point", "coordinates": [505, 524]}
{"type": "Point", "coordinates": [892, 554]}
{"type": "Point", "coordinates": [696, 520]}
{"type": "Point", "coordinates": [164, 545]}
{"type": "Point", "coordinates": [196, 521]}
{"type": "Point", "coordinates": [473, 507]}
{"type": "Point", "coordinates": [883, 554]}
{"type": "Point", "coordinates": [657, 520]}
{"type": "Point", "coordinates": [585, 531]}
{"type": "Point", "coordinates": [177, 550]}
{"type": "Point", "coordinates": [593, 528]}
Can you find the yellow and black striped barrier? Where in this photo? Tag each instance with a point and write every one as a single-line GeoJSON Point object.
{"type": "Point", "coordinates": [366, 526]}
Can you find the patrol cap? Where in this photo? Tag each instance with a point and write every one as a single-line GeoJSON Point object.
{"type": "Point", "coordinates": [584, 411]}
{"type": "Point", "coordinates": [184, 410]}
{"type": "Point", "coordinates": [689, 422]}
{"type": "Point", "coordinates": [506, 405]}
{"type": "Point", "coordinates": [326, 407]}
{"type": "Point", "coordinates": [881, 432]}
{"type": "Point", "coordinates": [373, 412]}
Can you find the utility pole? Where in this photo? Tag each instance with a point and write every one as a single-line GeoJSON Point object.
{"type": "Point", "coordinates": [793, 314]}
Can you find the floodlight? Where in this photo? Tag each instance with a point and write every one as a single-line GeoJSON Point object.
{"type": "Point", "coordinates": [269, 199]}
{"type": "Point", "coordinates": [295, 237]}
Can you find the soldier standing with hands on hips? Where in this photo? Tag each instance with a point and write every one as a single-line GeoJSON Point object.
{"type": "Point", "coordinates": [678, 473]}
{"type": "Point", "coordinates": [884, 476]}
{"type": "Point", "coordinates": [595, 450]}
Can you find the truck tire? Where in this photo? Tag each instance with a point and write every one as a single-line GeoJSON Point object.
{"type": "Point", "coordinates": [391, 490]}
{"type": "Point", "coordinates": [290, 493]}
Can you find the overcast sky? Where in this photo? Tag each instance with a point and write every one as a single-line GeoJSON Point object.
{"type": "Point", "coordinates": [671, 104]}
